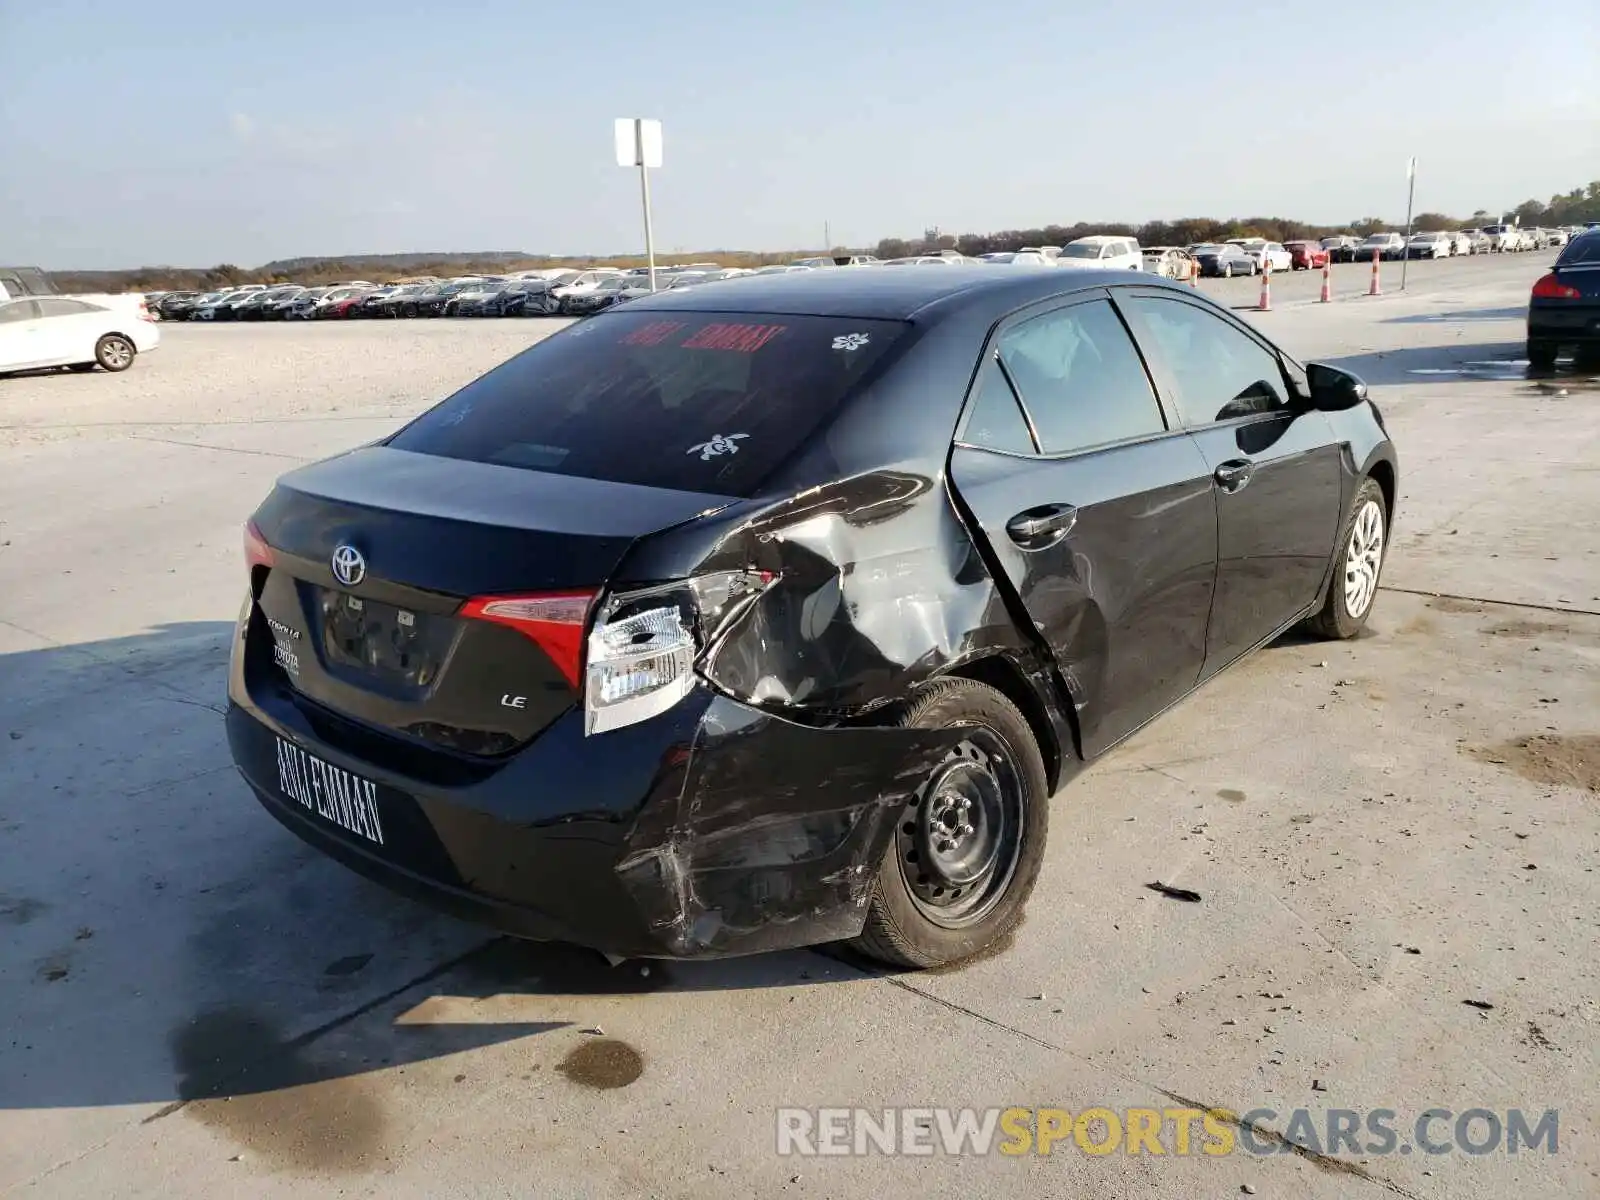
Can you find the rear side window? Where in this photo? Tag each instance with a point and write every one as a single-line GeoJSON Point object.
{"type": "Point", "coordinates": [1583, 251]}
{"type": "Point", "coordinates": [994, 420]}
{"type": "Point", "coordinates": [1221, 372]}
{"type": "Point", "coordinates": [706, 402]}
{"type": "Point", "coordinates": [1081, 378]}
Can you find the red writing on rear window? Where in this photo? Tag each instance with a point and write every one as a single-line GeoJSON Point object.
{"type": "Point", "coordinates": [742, 339]}
{"type": "Point", "coordinates": [653, 334]}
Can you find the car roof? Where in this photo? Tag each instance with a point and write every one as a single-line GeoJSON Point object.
{"type": "Point", "coordinates": [887, 295]}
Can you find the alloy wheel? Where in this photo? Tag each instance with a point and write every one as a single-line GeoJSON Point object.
{"type": "Point", "coordinates": [1363, 559]}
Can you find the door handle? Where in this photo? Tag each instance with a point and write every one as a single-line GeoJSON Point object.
{"type": "Point", "coordinates": [1234, 474]}
{"type": "Point", "coordinates": [1036, 528]}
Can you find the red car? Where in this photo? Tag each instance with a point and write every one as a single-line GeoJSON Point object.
{"type": "Point", "coordinates": [1306, 256]}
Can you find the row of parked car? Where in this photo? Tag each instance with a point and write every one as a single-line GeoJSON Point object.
{"type": "Point", "coordinates": [581, 292]}
{"type": "Point", "coordinates": [526, 294]}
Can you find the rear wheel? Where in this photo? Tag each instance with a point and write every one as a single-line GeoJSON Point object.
{"type": "Point", "coordinates": [114, 352]}
{"type": "Point", "coordinates": [1541, 353]}
{"type": "Point", "coordinates": [967, 846]}
{"type": "Point", "coordinates": [1354, 585]}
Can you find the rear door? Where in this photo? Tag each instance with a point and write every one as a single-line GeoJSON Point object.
{"type": "Point", "coordinates": [1096, 507]}
{"type": "Point", "coordinates": [20, 344]}
{"type": "Point", "coordinates": [1277, 468]}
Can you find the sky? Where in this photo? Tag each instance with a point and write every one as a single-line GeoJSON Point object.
{"type": "Point", "coordinates": [167, 132]}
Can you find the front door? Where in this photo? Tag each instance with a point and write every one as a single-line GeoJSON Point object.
{"type": "Point", "coordinates": [1100, 513]}
{"type": "Point", "coordinates": [1277, 468]}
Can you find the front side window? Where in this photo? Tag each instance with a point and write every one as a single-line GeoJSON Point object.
{"type": "Point", "coordinates": [1080, 378]}
{"type": "Point", "coordinates": [19, 310]}
{"type": "Point", "coordinates": [51, 306]}
{"type": "Point", "coordinates": [704, 402]}
{"type": "Point", "coordinates": [1221, 372]}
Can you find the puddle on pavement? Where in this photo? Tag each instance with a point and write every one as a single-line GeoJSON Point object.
{"type": "Point", "coordinates": [1552, 759]}
{"type": "Point", "coordinates": [19, 910]}
{"type": "Point", "coordinates": [1558, 383]}
{"type": "Point", "coordinates": [1525, 629]}
{"type": "Point", "coordinates": [244, 1080]}
{"type": "Point", "coordinates": [1233, 794]}
{"type": "Point", "coordinates": [603, 1063]}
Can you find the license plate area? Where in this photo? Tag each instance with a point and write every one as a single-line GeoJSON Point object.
{"type": "Point", "coordinates": [399, 650]}
{"type": "Point", "coordinates": [332, 793]}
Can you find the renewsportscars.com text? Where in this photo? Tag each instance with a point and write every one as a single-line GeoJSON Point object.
{"type": "Point", "coordinates": [1180, 1132]}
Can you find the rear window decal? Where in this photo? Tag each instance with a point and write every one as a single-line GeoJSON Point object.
{"type": "Point", "coordinates": [851, 341]}
{"type": "Point", "coordinates": [719, 444]}
{"type": "Point", "coordinates": [653, 334]}
{"type": "Point", "coordinates": [740, 339]}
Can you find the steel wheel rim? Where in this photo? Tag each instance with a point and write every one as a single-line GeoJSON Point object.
{"type": "Point", "coordinates": [959, 839]}
{"type": "Point", "coordinates": [1363, 558]}
{"type": "Point", "coordinates": [117, 353]}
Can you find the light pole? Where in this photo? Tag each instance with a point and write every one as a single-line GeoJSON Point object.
{"type": "Point", "coordinates": [1411, 195]}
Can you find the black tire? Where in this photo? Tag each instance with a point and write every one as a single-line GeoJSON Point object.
{"type": "Point", "coordinates": [80, 367]}
{"type": "Point", "coordinates": [115, 352]}
{"type": "Point", "coordinates": [1336, 620]}
{"type": "Point", "coordinates": [997, 764]}
{"type": "Point", "coordinates": [1542, 353]}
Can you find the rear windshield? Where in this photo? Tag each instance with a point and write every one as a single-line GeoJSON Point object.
{"type": "Point", "coordinates": [1584, 249]}
{"type": "Point", "coordinates": [704, 402]}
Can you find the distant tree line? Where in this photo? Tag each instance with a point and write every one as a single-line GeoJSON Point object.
{"type": "Point", "coordinates": [1576, 207]}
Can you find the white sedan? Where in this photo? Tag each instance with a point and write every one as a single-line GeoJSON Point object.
{"type": "Point", "coordinates": [57, 331]}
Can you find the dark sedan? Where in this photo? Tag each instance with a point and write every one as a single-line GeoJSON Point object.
{"type": "Point", "coordinates": [435, 303]}
{"type": "Point", "coordinates": [773, 612]}
{"type": "Point", "coordinates": [1564, 309]}
{"type": "Point", "coordinates": [1223, 259]}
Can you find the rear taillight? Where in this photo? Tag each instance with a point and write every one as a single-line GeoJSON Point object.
{"type": "Point", "coordinates": [144, 312]}
{"type": "Point", "coordinates": [1551, 288]}
{"type": "Point", "coordinates": [639, 657]}
{"type": "Point", "coordinates": [554, 621]}
{"type": "Point", "coordinates": [256, 551]}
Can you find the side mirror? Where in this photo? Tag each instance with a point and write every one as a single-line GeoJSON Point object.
{"type": "Point", "coordinates": [1332, 389]}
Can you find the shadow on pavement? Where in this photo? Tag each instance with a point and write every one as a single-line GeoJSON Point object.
{"type": "Point", "coordinates": [1515, 312]}
{"type": "Point", "coordinates": [1493, 362]}
{"type": "Point", "coordinates": [162, 939]}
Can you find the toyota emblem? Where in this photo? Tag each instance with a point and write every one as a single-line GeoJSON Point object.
{"type": "Point", "coordinates": [349, 568]}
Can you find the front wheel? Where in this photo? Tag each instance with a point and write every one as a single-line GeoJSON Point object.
{"type": "Point", "coordinates": [114, 352]}
{"type": "Point", "coordinates": [967, 846]}
{"type": "Point", "coordinates": [1354, 585]}
{"type": "Point", "coordinates": [1227, 270]}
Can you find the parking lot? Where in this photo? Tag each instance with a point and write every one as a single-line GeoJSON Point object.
{"type": "Point", "coordinates": [1380, 831]}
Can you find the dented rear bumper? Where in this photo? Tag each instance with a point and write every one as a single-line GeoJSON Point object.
{"type": "Point", "coordinates": [715, 829]}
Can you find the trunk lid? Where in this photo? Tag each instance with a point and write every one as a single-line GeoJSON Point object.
{"type": "Point", "coordinates": [387, 646]}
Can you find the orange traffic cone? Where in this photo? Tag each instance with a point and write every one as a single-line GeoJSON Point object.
{"type": "Point", "coordinates": [1266, 285]}
{"type": "Point", "coordinates": [1377, 288]}
{"type": "Point", "coordinates": [1327, 282]}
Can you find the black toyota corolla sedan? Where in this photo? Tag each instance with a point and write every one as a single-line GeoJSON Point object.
{"type": "Point", "coordinates": [774, 611]}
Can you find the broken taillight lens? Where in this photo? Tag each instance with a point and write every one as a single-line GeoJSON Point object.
{"type": "Point", "coordinates": [553, 620]}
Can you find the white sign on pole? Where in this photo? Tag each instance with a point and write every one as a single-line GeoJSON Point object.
{"type": "Point", "coordinates": [639, 145]}
{"type": "Point", "coordinates": [638, 142]}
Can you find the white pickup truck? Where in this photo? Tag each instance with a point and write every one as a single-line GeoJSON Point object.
{"type": "Point", "coordinates": [16, 282]}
